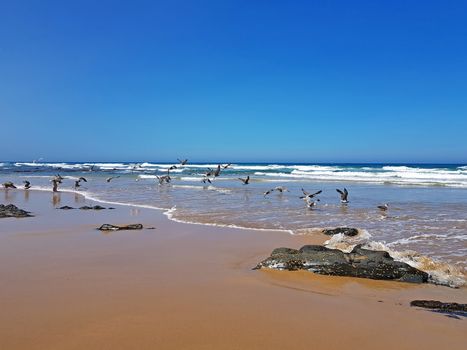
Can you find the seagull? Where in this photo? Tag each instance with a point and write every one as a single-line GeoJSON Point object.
{"type": "Point", "coordinates": [344, 194]}
{"type": "Point", "coordinates": [310, 203]}
{"type": "Point", "coordinates": [173, 167]}
{"type": "Point", "coordinates": [206, 179]}
{"type": "Point", "coordinates": [182, 162]}
{"type": "Point", "coordinates": [9, 184]}
{"type": "Point", "coordinates": [309, 195]}
{"type": "Point", "coordinates": [245, 181]}
{"type": "Point", "coordinates": [226, 166]}
{"type": "Point", "coordinates": [82, 179]}
{"type": "Point", "coordinates": [59, 178]}
{"type": "Point", "coordinates": [27, 184]}
{"type": "Point", "coordinates": [383, 207]}
{"type": "Point", "coordinates": [77, 184]}
{"type": "Point", "coordinates": [163, 179]}
{"type": "Point", "coordinates": [218, 171]}
{"type": "Point", "coordinates": [55, 183]}
{"type": "Point", "coordinates": [111, 178]}
{"type": "Point", "coordinates": [279, 189]}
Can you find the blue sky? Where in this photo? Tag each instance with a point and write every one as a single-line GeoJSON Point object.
{"type": "Point", "coordinates": [272, 81]}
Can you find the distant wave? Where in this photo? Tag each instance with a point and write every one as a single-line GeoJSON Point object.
{"type": "Point", "coordinates": [449, 176]}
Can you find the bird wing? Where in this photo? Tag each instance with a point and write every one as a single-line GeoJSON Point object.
{"type": "Point", "coordinates": [342, 193]}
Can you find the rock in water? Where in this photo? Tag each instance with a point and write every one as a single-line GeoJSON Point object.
{"type": "Point", "coordinates": [359, 262]}
{"type": "Point", "coordinates": [346, 231]}
{"type": "Point", "coordinates": [12, 211]}
{"type": "Point", "coordinates": [108, 227]}
{"type": "Point", "coordinates": [439, 306]}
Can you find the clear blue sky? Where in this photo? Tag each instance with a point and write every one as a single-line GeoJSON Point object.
{"type": "Point", "coordinates": [311, 81]}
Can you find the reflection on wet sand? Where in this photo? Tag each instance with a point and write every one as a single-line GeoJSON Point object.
{"type": "Point", "coordinates": [55, 199]}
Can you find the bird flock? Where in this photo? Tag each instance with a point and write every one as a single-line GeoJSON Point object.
{"type": "Point", "coordinates": [311, 200]}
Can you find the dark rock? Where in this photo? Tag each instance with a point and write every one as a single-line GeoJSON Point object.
{"type": "Point", "coordinates": [12, 211]}
{"type": "Point", "coordinates": [96, 207]}
{"type": "Point", "coordinates": [110, 208]}
{"type": "Point", "coordinates": [66, 207]}
{"type": "Point", "coordinates": [108, 227]}
{"type": "Point", "coordinates": [439, 306]}
{"type": "Point", "coordinates": [347, 231]}
{"type": "Point", "coordinates": [359, 262]}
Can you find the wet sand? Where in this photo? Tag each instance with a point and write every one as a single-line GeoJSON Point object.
{"type": "Point", "coordinates": [66, 285]}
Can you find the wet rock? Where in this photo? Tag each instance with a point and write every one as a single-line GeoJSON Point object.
{"type": "Point", "coordinates": [346, 231]}
{"type": "Point", "coordinates": [108, 227]}
{"type": "Point", "coordinates": [12, 211]}
{"type": "Point", "coordinates": [96, 207]}
{"type": "Point", "coordinates": [439, 306]}
{"type": "Point", "coordinates": [66, 207]}
{"type": "Point", "coordinates": [363, 263]}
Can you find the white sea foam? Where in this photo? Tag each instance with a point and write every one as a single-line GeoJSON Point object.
{"type": "Point", "coordinates": [439, 272]}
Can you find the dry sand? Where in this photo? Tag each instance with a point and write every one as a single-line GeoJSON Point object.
{"type": "Point", "coordinates": [66, 285]}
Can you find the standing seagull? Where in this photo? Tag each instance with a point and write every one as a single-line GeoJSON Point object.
{"type": "Point", "coordinates": [344, 194]}
{"type": "Point", "coordinates": [245, 181]}
{"type": "Point", "coordinates": [27, 184]}
{"type": "Point", "coordinates": [55, 183]}
{"type": "Point", "coordinates": [383, 207]}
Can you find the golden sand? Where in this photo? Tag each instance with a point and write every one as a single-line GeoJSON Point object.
{"type": "Point", "coordinates": [66, 285]}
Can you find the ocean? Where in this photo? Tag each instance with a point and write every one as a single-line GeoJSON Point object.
{"type": "Point", "coordinates": [425, 225]}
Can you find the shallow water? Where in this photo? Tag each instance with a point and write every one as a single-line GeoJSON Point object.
{"type": "Point", "coordinates": [427, 204]}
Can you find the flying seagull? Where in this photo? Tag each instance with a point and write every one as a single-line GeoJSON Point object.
{"type": "Point", "coordinates": [218, 171]}
{"type": "Point", "coordinates": [245, 181]}
{"type": "Point", "coordinates": [182, 162]}
{"type": "Point", "coordinates": [344, 194]}
{"type": "Point", "coordinates": [226, 166]}
{"type": "Point", "coordinates": [82, 179]}
{"type": "Point", "coordinates": [279, 189]}
{"type": "Point", "coordinates": [206, 179]}
{"type": "Point", "coordinates": [111, 178]}
{"type": "Point", "coordinates": [163, 179]}
{"type": "Point", "coordinates": [309, 195]}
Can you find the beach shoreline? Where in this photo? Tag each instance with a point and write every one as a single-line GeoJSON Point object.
{"type": "Point", "coordinates": [69, 286]}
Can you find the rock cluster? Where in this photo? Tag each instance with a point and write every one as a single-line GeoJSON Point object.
{"type": "Point", "coordinates": [359, 262]}
{"type": "Point", "coordinates": [12, 211]}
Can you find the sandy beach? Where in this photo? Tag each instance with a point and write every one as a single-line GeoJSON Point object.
{"type": "Point", "coordinates": [66, 285]}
